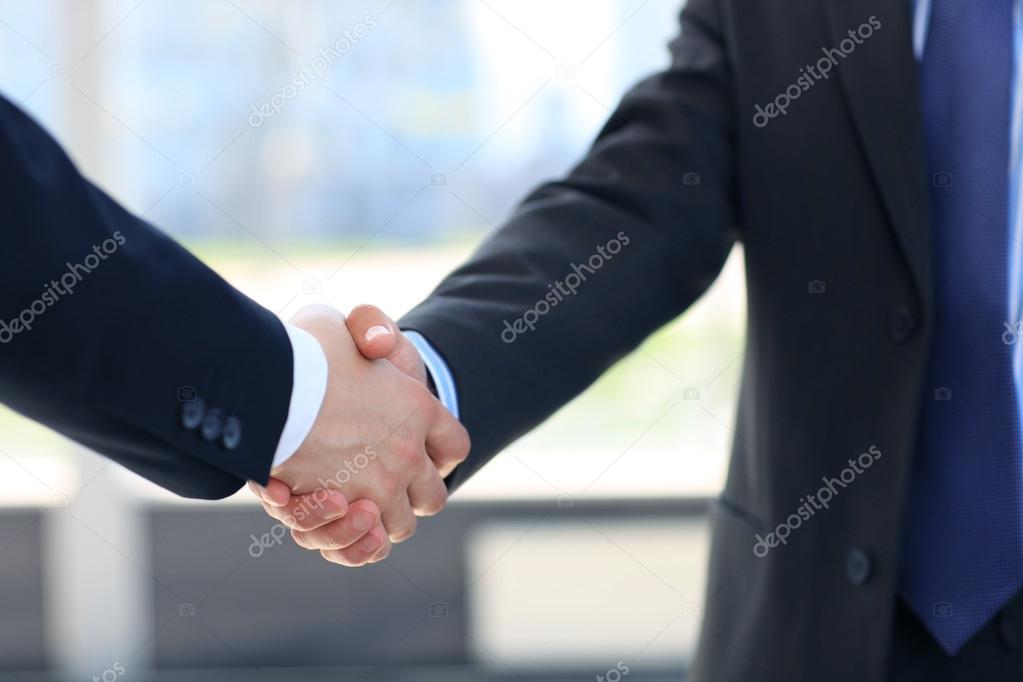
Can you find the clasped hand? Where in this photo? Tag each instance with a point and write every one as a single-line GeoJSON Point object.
{"type": "Point", "coordinates": [381, 439]}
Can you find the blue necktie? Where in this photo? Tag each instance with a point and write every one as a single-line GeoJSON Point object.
{"type": "Point", "coordinates": [962, 554]}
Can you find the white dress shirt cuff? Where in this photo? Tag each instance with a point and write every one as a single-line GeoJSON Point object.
{"type": "Point", "coordinates": [443, 380]}
{"type": "Point", "coordinates": [308, 388]}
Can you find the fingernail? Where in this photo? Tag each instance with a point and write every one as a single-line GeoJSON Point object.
{"type": "Point", "coordinates": [375, 331]}
{"type": "Point", "coordinates": [370, 543]}
{"type": "Point", "coordinates": [362, 521]}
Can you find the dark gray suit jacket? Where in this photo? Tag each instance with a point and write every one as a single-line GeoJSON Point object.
{"type": "Point", "coordinates": [833, 190]}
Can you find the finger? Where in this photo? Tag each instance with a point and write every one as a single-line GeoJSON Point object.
{"type": "Point", "coordinates": [372, 548]}
{"type": "Point", "coordinates": [384, 550]}
{"type": "Point", "coordinates": [374, 332]}
{"type": "Point", "coordinates": [362, 517]}
{"type": "Point", "coordinates": [378, 338]}
{"type": "Point", "coordinates": [276, 493]}
{"type": "Point", "coordinates": [256, 490]}
{"type": "Point", "coordinates": [399, 521]}
{"type": "Point", "coordinates": [447, 442]}
{"type": "Point", "coordinates": [306, 512]}
{"type": "Point", "coordinates": [271, 494]}
{"type": "Point", "coordinates": [427, 493]}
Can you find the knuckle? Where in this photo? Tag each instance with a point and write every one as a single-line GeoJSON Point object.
{"type": "Point", "coordinates": [343, 558]}
{"type": "Point", "coordinates": [392, 485]}
{"type": "Point", "coordinates": [429, 509]}
{"type": "Point", "coordinates": [464, 445]}
{"type": "Point", "coordinates": [355, 556]}
{"type": "Point", "coordinates": [365, 311]}
{"type": "Point", "coordinates": [433, 506]}
{"type": "Point", "coordinates": [303, 523]}
{"type": "Point", "coordinates": [332, 538]}
{"type": "Point", "coordinates": [405, 531]}
{"type": "Point", "coordinates": [334, 557]}
{"type": "Point", "coordinates": [299, 539]}
{"type": "Point", "coordinates": [408, 450]}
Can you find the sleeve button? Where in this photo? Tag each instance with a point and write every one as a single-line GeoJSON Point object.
{"type": "Point", "coordinates": [192, 413]}
{"type": "Point", "coordinates": [232, 435]}
{"type": "Point", "coordinates": [858, 566]}
{"type": "Point", "coordinates": [212, 425]}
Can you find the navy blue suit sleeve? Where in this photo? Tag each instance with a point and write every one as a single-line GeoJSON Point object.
{"type": "Point", "coordinates": [115, 336]}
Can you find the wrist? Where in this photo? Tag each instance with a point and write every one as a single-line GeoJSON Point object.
{"type": "Point", "coordinates": [309, 387]}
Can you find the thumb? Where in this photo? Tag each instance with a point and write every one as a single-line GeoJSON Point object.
{"type": "Point", "coordinates": [275, 493]}
{"type": "Point", "coordinates": [378, 338]}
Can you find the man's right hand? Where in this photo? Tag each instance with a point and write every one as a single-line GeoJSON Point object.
{"type": "Point", "coordinates": [380, 435]}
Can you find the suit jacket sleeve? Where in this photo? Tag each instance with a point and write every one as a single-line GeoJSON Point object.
{"type": "Point", "coordinates": [106, 325]}
{"type": "Point", "coordinates": [657, 187]}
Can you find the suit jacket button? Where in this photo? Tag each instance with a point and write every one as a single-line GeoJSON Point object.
{"type": "Point", "coordinates": [901, 324]}
{"type": "Point", "coordinates": [857, 566]}
{"type": "Point", "coordinates": [192, 413]}
{"type": "Point", "coordinates": [232, 433]}
{"type": "Point", "coordinates": [213, 425]}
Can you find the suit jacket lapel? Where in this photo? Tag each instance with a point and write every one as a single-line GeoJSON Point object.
{"type": "Point", "coordinates": [880, 83]}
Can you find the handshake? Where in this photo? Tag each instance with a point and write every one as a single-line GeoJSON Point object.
{"type": "Point", "coordinates": [378, 451]}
